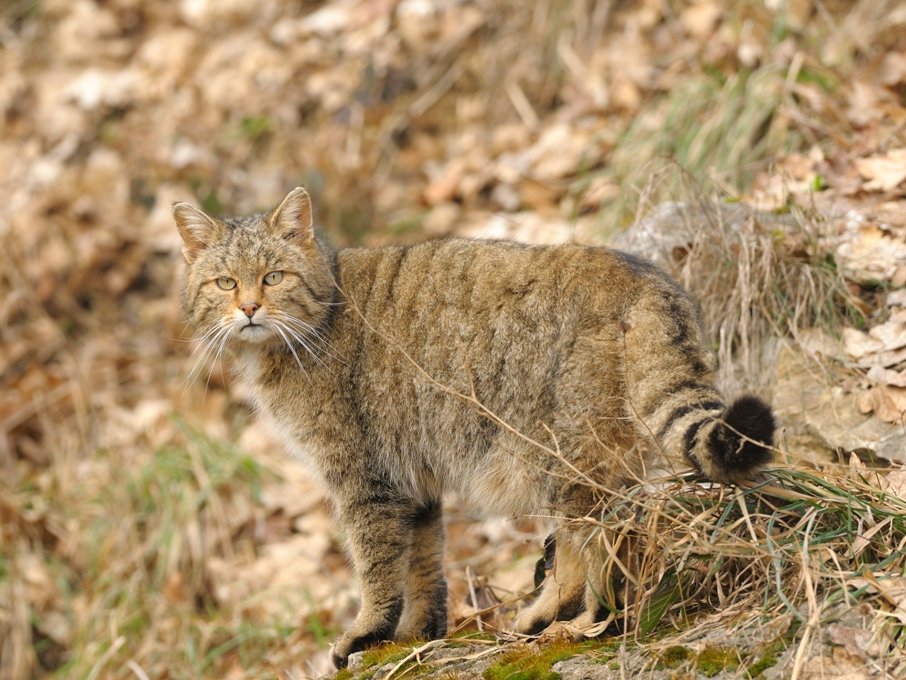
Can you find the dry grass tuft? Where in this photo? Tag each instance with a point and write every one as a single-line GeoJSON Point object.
{"type": "Point", "coordinates": [803, 545]}
{"type": "Point", "coordinates": [757, 275]}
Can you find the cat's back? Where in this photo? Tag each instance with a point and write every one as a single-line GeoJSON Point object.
{"type": "Point", "coordinates": [470, 278]}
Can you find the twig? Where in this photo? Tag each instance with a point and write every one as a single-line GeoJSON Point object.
{"type": "Point", "coordinates": [473, 597]}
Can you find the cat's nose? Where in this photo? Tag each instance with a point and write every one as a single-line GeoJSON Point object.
{"type": "Point", "coordinates": [249, 308]}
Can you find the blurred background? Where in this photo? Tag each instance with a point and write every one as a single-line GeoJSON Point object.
{"type": "Point", "coordinates": [148, 526]}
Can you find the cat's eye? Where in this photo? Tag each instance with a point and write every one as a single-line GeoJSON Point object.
{"type": "Point", "coordinates": [273, 278]}
{"type": "Point", "coordinates": [226, 283]}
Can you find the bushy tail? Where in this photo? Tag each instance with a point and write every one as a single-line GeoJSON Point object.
{"type": "Point", "coordinates": [731, 445]}
{"type": "Point", "coordinates": [725, 444]}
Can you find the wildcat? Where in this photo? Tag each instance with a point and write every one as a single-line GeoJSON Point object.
{"type": "Point", "coordinates": [526, 379]}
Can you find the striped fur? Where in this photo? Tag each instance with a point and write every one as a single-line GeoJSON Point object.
{"type": "Point", "coordinates": [525, 379]}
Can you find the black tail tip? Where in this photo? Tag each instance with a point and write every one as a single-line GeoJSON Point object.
{"type": "Point", "coordinates": [744, 440]}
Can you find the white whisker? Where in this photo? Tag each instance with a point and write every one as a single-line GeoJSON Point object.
{"type": "Point", "coordinates": [210, 346]}
{"type": "Point", "coordinates": [301, 340]}
{"type": "Point", "coordinates": [307, 329]}
{"type": "Point", "coordinates": [277, 327]}
{"type": "Point", "coordinates": [224, 337]}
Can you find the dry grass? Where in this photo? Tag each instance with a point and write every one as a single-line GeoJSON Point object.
{"type": "Point", "coordinates": [757, 275]}
{"type": "Point", "coordinates": [115, 579]}
{"type": "Point", "coordinates": [803, 543]}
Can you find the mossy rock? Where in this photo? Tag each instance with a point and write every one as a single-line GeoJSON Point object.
{"type": "Point", "coordinates": [712, 661]}
{"type": "Point", "coordinates": [530, 662]}
{"type": "Point", "coordinates": [675, 657]}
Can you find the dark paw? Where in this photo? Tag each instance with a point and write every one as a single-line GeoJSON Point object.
{"type": "Point", "coordinates": [536, 626]}
{"type": "Point", "coordinates": [339, 662]}
{"type": "Point", "coordinates": [432, 624]}
{"type": "Point", "coordinates": [437, 626]}
{"type": "Point", "coordinates": [350, 644]}
{"type": "Point", "coordinates": [437, 621]}
{"type": "Point", "coordinates": [369, 628]}
{"type": "Point", "coordinates": [571, 608]}
{"type": "Point", "coordinates": [615, 627]}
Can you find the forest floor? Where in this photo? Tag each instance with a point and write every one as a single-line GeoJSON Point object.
{"type": "Point", "coordinates": [150, 528]}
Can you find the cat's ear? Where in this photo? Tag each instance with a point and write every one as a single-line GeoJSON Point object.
{"type": "Point", "coordinates": [292, 218]}
{"type": "Point", "coordinates": [197, 229]}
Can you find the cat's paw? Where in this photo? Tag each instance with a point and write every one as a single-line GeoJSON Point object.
{"type": "Point", "coordinates": [553, 604]}
{"type": "Point", "coordinates": [350, 643]}
{"type": "Point", "coordinates": [532, 620]}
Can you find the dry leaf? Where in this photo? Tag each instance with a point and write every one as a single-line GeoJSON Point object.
{"type": "Point", "coordinates": [897, 298]}
{"type": "Point", "coordinates": [858, 343]}
{"type": "Point", "coordinates": [205, 13]}
{"type": "Point", "coordinates": [892, 590]}
{"type": "Point", "coordinates": [701, 17]}
{"type": "Point", "coordinates": [864, 103]}
{"type": "Point", "coordinates": [887, 376]}
{"type": "Point", "coordinates": [895, 483]}
{"type": "Point", "coordinates": [885, 358]}
{"type": "Point", "coordinates": [892, 334]}
{"type": "Point", "coordinates": [882, 347]}
{"type": "Point", "coordinates": [175, 590]}
{"type": "Point", "coordinates": [840, 665]}
{"type": "Point", "coordinates": [560, 151]}
{"type": "Point", "coordinates": [445, 182]}
{"type": "Point", "coordinates": [887, 403]}
{"type": "Point", "coordinates": [819, 341]}
{"type": "Point", "coordinates": [883, 171]}
{"type": "Point", "coordinates": [95, 88]}
{"type": "Point", "coordinates": [893, 69]}
{"type": "Point", "coordinates": [871, 251]}
{"type": "Point", "coordinates": [857, 641]}
{"type": "Point", "coordinates": [55, 625]}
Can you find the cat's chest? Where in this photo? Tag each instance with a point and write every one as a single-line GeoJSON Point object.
{"type": "Point", "coordinates": [247, 368]}
{"type": "Point", "coordinates": [267, 384]}
{"type": "Point", "coordinates": [278, 402]}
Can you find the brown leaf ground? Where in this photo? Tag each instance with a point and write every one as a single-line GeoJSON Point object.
{"type": "Point", "coordinates": [148, 527]}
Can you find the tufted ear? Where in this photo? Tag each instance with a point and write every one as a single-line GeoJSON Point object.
{"type": "Point", "coordinates": [292, 218]}
{"type": "Point", "coordinates": [197, 229]}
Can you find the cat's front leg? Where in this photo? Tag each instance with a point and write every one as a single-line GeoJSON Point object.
{"type": "Point", "coordinates": [425, 612]}
{"type": "Point", "coordinates": [379, 529]}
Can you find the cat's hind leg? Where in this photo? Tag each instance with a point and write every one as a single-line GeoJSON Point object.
{"type": "Point", "coordinates": [563, 591]}
{"type": "Point", "coordinates": [609, 588]}
{"type": "Point", "coordinates": [425, 610]}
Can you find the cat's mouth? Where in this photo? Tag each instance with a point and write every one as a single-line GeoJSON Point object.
{"type": "Point", "coordinates": [253, 332]}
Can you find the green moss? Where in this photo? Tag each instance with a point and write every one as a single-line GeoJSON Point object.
{"type": "Point", "coordinates": [760, 666]}
{"type": "Point", "coordinates": [768, 659]}
{"type": "Point", "coordinates": [386, 652]}
{"type": "Point", "coordinates": [344, 674]}
{"type": "Point", "coordinates": [713, 660]}
{"type": "Point", "coordinates": [675, 656]}
{"type": "Point", "coordinates": [530, 663]}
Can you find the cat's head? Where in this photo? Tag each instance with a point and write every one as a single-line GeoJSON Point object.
{"type": "Point", "coordinates": [258, 279]}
